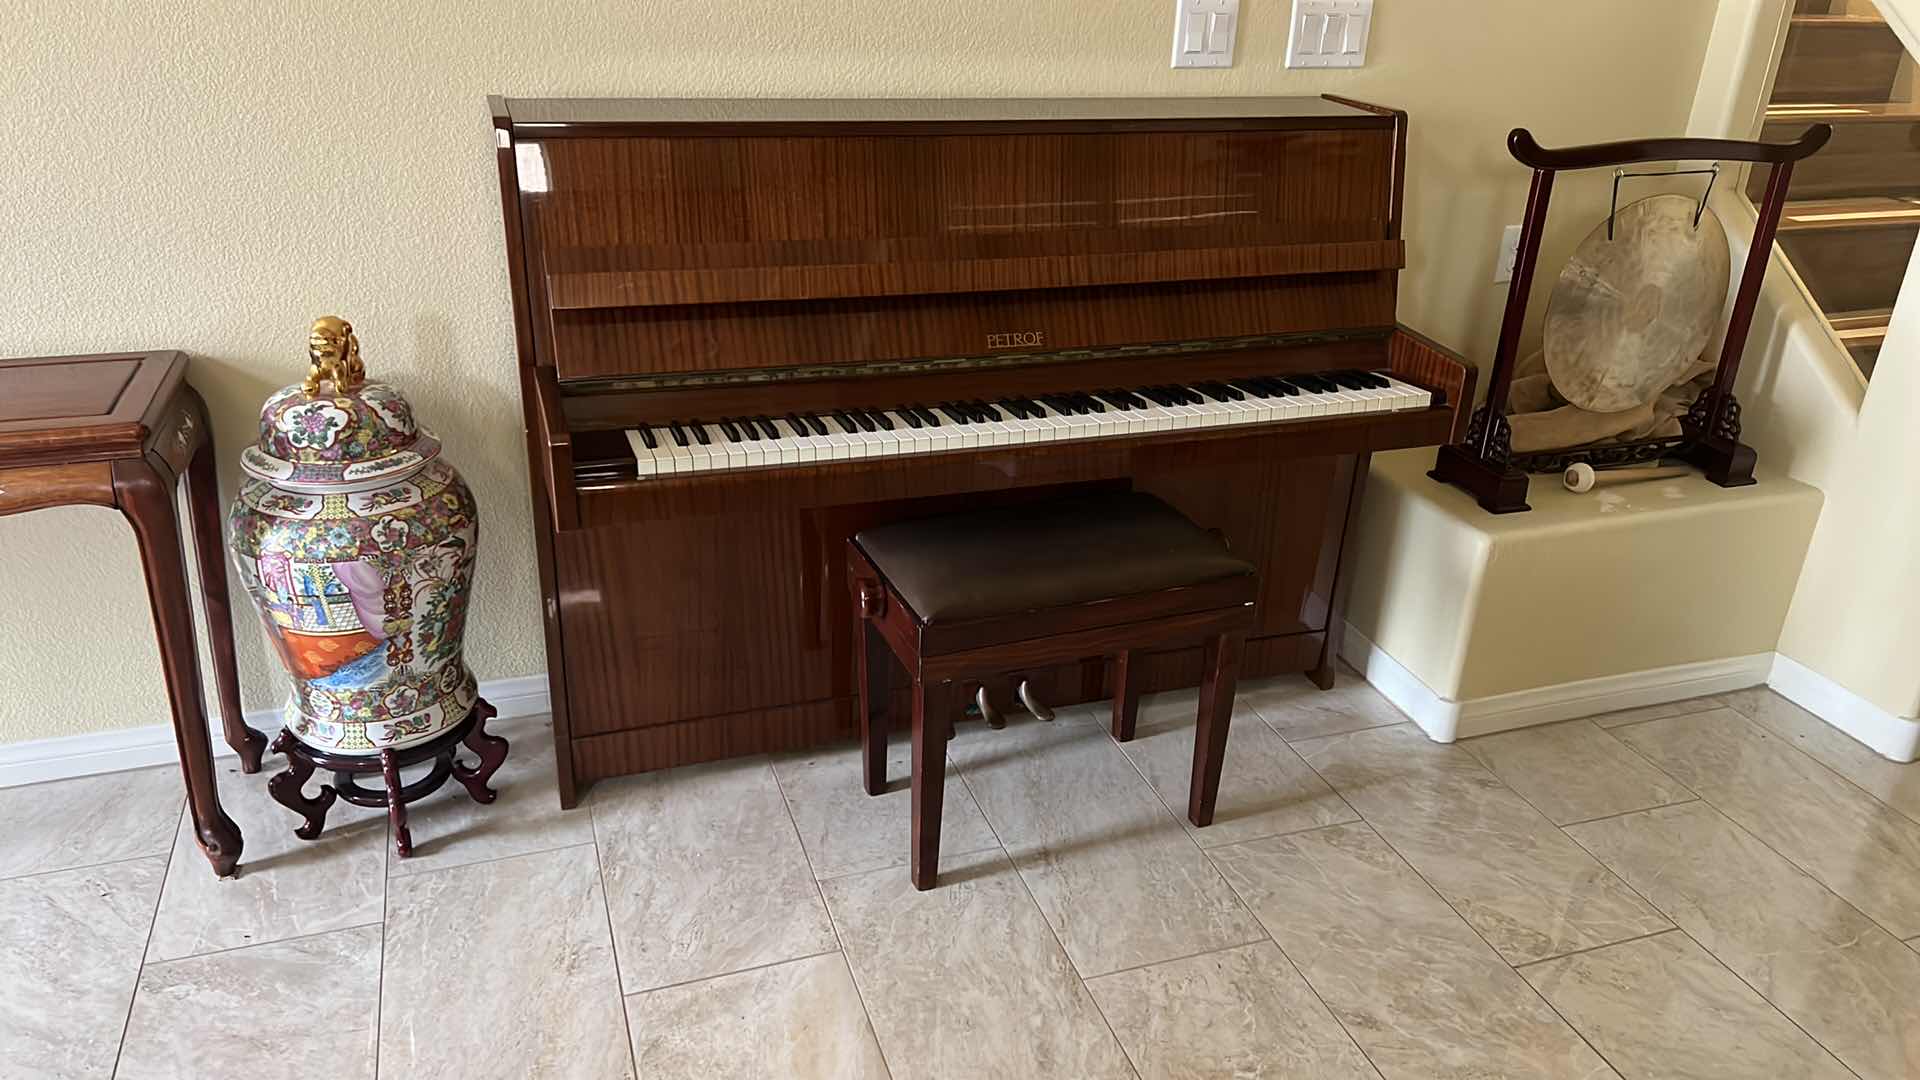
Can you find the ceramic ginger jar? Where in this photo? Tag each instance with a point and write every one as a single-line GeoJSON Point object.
{"type": "Point", "coordinates": [356, 541]}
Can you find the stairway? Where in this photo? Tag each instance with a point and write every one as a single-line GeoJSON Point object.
{"type": "Point", "coordinates": [1853, 211]}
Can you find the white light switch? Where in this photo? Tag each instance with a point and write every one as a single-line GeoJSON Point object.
{"type": "Point", "coordinates": [1329, 33]}
{"type": "Point", "coordinates": [1203, 32]}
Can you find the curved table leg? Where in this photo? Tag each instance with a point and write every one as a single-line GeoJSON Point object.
{"type": "Point", "coordinates": [492, 750]}
{"type": "Point", "coordinates": [203, 506]}
{"type": "Point", "coordinates": [145, 495]}
{"type": "Point", "coordinates": [396, 805]}
{"type": "Point", "coordinates": [285, 787]}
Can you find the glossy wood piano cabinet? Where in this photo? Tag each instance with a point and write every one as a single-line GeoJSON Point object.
{"type": "Point", "coordinates": [695, 262]}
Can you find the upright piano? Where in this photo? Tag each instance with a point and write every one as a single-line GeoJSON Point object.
{"type": "Point", "coordinates": [747, 329]}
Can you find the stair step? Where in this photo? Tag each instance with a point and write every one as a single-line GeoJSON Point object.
{"type": "Point", "coordinates": [1875, 150]}
{"type": "Point", "coordinates": [1869, 212]}
{"type": "Point", "coordinates": [1838, 58]}
{"type": "Point", "coordinates": [1863, 333]}
{"type": "Point", "coordinates": [1852, 253]}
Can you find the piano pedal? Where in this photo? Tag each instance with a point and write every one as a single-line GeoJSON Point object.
{"type": "Point", "coordinates": [1033, 703]}
{"type": "Point", "coordinates": [987, 712]}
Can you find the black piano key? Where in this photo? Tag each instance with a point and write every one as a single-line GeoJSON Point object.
{"type": "Point", "coordinates": [865, 421]}
{"type": "Point", "coordinates": [1346, 380]}
{"type": "Point", "coordinates": [679, 434]}
{"type": "Point", "coordinates": [818, 425]}
{"type": "Point", "coordinates": [1093, 404]}
{"type": "Point", "coordinates": [1209, 391]}
{"type": "Point", "coordinates": [1158, 395]}
{"type": "Point", "coordinates": [845, 422]}
{"type": "Point", "coordinates": [1114, 398]}
{"type": "Point", "coordinates": [646, 436]}
{"type": "Point", "coordinates": [1281, 386]}
{"type": "Point", "coordinates": [732, 433]}
{"type": "Point", "coordinates": [926, 416]}
{"type": "Point", "coordinates": [881, 418]}
{"type": "Point", "coordinates": [1251, 386]}
{"type": "Point", "coordinates": [988, 412]}
{"type": "Point", "coordinates": [700, 434]}
{"type": "Point", "coordinates": [798, 425]}
{"type": "Point", "coordinates": [748, 428]}
{"type": "Point", "coordinates": [1374, 379]}
{"type": "Point", "coordinates": [911, 417]}
{"type": "Point", "coordinates": [1233, 394]}
{"type": "Point", "coordinates": [953, 413]}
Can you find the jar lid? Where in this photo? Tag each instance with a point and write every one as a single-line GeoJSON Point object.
{"type": "Point", "coordinates": [360, 435]}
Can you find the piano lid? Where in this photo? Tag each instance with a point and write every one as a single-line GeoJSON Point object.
{"type": "Point", "coordinates": [533, 116]}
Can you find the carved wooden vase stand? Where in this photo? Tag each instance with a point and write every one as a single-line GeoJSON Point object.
{"type": "Point", "coordinates": [302, 760]}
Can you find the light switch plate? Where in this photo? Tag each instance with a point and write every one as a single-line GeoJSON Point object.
{"type": "Point", "coordinates": [1203, 32]}
{"type": "Point", "coordinates": [1329, 33]}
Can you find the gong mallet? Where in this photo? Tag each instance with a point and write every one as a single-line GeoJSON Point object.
{"type": "Point", "coordinates": [1582, 477]}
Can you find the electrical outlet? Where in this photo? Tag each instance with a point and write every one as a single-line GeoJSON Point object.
{"type": "Point", "coordinates": [1203, 32]}
{"type": "Point", "coordinates": [1509, 254]}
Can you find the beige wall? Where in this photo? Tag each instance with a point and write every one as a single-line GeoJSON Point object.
{"type": "Point", "coordinates": [210, 176]}
{"type": "Point", "coordinates": [1855, 617]}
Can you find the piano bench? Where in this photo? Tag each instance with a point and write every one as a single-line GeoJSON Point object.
{"type": "Point", "coordinates": [971, 597]}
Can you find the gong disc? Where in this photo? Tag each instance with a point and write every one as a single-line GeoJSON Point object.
{"type": "Point", "coordinates": [1630, 315]}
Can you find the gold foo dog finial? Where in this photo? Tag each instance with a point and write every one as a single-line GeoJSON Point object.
{"type": "Point", "coordinates": [334, 353]}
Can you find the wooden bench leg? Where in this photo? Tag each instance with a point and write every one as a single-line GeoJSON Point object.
{"type": "Point", "coordinates": [874, 659]}
{"type": "Point", "coordinates": [1126, 696]}
{"type": "Point", "coordinates": [1220, 671]}
{"type": "Point", "coordinates": [933, 708]}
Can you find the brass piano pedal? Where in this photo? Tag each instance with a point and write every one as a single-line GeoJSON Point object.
{"type": "Point", "coordinates": [1033, 703]}
{"type": "Point", "coordinates": [987, 712]}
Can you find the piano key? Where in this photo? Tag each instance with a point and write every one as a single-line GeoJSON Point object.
{"type": "Point", "coordinates": [705, 446]}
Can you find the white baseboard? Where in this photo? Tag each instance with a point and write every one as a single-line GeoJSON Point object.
{"type": "Point", "coordinates": [134, 748]}
{"type": "Point", "coordinates": [1893, 737]}
{"type": "Point", "coordinates": [1445, 720]}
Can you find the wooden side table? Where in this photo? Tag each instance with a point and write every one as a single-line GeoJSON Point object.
{"type": "Point", "coordinates": [121, 430]}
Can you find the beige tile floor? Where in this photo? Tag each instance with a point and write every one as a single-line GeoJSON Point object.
{"type": "Point", "coordinates": [1715, 888]}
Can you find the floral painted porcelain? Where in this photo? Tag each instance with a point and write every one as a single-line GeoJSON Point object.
{"type": "Point", "coordinates": [357, 543]}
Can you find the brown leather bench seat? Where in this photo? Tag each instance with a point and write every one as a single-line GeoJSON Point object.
{"type": "Point", "coordinates": [972, 596]}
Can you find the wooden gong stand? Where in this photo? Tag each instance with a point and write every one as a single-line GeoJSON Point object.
{"type": "Point", "coordinates": [1484, 464]}
{"type": "Point", "coordinates": [302, 760]}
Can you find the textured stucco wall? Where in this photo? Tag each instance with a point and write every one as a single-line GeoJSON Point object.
{"type": "Point", "coordinates": [210, 176]}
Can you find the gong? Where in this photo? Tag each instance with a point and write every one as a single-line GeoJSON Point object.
{"type": "Point", "coordinates": [1631, 314]}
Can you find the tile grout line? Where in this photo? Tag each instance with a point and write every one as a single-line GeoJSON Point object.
{"type": "Point", "coordinates": [416, 874]}
{"type": "Point", "coordinates": [380, 979]}
{"type": "Point", "coordinates": [613, 945]}
{"type": "Point", "coordinates": [1682, 929]}
{"type": "Point", "coordinates": [1761, 840]}
{"type": "Point", "coordinates": [1778, 1011]}
{"type": "Point", "coordinates": [96, 865]}
{"type": "Point", "coordinates": [833, 924]}
{"type": "Point", "coordinates": [1623, 813]}
{"type": "Point", "coordinates": [1538, 809]}
{"type": "Point", "coordinates": [749, 969]}
{"type": "Point", "coordinates": [1596, 948]}
{"type": "Point", "coordinates": [1048, 923]}
{"type": "Point", "coordinates": [1501, 959]}
{"type": "Point", "coordinates": [1793, 743]}
{"type": "Point", "coordinates": [1284, 955]}
{"type": "Point", "coordinates": [262, 944]}
{"type": "Point", "coordinates": [1497, 955]}
{"type": "Point", "coordinates": [159, 894]}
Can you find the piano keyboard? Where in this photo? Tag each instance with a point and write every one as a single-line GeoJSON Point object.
{"type": "Point", "coordinates": [745, 442]}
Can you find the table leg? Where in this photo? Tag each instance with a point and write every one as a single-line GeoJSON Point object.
{"type": "Point", "coordinates": [145, 495]}
{"type": "Point", "coordinates": [203, 504]}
